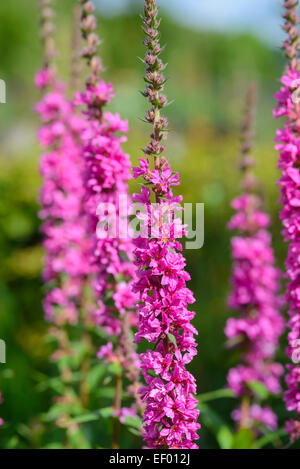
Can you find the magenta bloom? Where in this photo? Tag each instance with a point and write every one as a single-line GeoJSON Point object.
{"type": "Point", "coordinates": [170, 417]}
{"type": "Point", "coordinates": [255, 284]}
{"type": "Point", "coordinates": [106, 170]}
{"type": "Point", "coordinates": [288, 146]}
{"type": "Point", "coordinates": [43, 78]}
{"type": "Point", "coordinates": [64, 223]}
{"type": "Point", "coordinates": [259, 417]}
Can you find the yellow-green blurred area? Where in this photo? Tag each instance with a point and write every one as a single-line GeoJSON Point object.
{"type": "Point", "coordinates": [208, 74]}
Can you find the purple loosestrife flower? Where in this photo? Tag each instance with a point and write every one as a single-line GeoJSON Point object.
{"type": "Point", "coordinates": [255, 283]}
{"type": "Point", "coordinates": [288, 146]}
{"type": "Point", "coordinates": [106, 172]}
{"type": "Point", "coordinates": [64, 226]}
{"type": "Point", "coordinates": [67, 270]}
{"type": "Point", "coordinates": [258, 416]}
{"type": "Point", "coordinates": [170, 418]}
{"type": "Point", "coordinates": [64, 223]}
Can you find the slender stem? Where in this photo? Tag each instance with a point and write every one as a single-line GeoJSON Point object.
{"type": "Point", "coordinates": [85, 368]}
{"type": "Point", "coordinates": [129, 358]}
{"type": "Point", "coordinates": [117, 408]}
{"type": "Point", "coordinates": [291, 44]}
{"type": "Point", "coordinates": [75, 50]}
{"type": "Point", "coordinates": [247, 162]}
{"type": "Point", "coordinates": [47, 29]}
{"type": "Point", "coordinates": [155, 82]}
{"type": "Point", "coordinates": [88, 25]}
{"type": "Point", "coordinates": [213, 395]}
{"type": "Point", "coordinates": [245, 412]}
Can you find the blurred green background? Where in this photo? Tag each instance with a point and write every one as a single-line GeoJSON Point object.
{"type": "Point", "coordinates": [208, 76]}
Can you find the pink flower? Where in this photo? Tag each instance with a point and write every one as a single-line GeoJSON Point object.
{"type": "Point", "coordinates": [170, 418]}
{"type": "Point", "coordinates": [43, 78]}
{"type": "Point", "coordinates": [255, 285]}
{"type": "Point", "coordinates": [106, 170]}
{"type": "Point", "coordinates": [141, 170]}
{"type": "Point", "coordinates": [64, 222]}
{"type": "Point", "coordinates": [95, 96]}
{"type": "Point", "coordinates": [293, 428]}
{"type": "Point", "coordinates": [288, 146]}
{"type": "Point", "coordinates": [258, 416]}
{"type": "Point", "coordinates": [143, 197]}
{"type": "Point", "coordinates": [105, 351]}
{"type": "Point", "coordinates": [115, 123]}
{"type": "Point", "coordinates": [126, 412]}
{"type": "Point", "coordinates": [164, 178]}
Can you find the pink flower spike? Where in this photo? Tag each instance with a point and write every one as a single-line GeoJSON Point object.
{"type": "Point", "coordinates": [288, 146]}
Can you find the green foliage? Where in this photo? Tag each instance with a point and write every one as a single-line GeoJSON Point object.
{"type": "Point", "coordinates": [259, 389]}
{"type": "Point", "coordinates": [243, 439]}
{"type": "Point", "coordinates": [208, 74]}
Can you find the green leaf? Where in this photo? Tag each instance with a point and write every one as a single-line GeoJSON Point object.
{"type": "Point", "coordinates": [269, 438]}
{"type": "Point", "coordinates": [134, 431]}
{"type": "Point", "coordinates": [225, 437]}
{"type": "Point", "coordinates": [243, 439]}
{"type": "Point", "coordinates": [54, 445]}
{"type": "Point", "coordinates": [78, 440]}
{"type": "Point", "coordinates": [115, 368]}
{"type": "Point", "coordinates": [259, 389]}
{"type": "Point", "coordinates": [95, 376]}
{"type": "Point", "coordinates": [106, 412]}
{"type": "Point", "coordinates": [218, 394]}
{"type": "Point", "coordinates": [134, 422]}
{"type": "Point", "coordinates": [13, 442]}
{"type": "Point", "coordinates": [172, 339]}
{"type": "Point", "coordinates": [217, 425]}
{"type": "Point", "coordinates": [107, 392]}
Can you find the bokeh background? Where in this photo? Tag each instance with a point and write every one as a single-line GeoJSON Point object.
{"type": "Point", "coordinates": [214, 49]}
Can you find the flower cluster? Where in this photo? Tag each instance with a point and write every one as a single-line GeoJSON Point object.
{"type": "Point", "coordinates": [64, 223]}
{"type": "Point", "coordinates": [254, 296]}
{"type": "Point", "coordinates": [67, 271]}
{"type": "Point", "coordinates": [170, 418]}
{"type": "Point", "coordinates": [258, 416]}
{"type": "Point", "coordinates": [106, 172]}
{"type": "Point", "coordinates": [107, 169]}
{"type": "Point", "coordinates": [255, 284]}
{"type": "Point", "coordinates": [288, 146]}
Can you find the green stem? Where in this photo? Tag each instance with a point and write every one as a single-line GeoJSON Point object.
{"type": "Point", "coordinates": [117, 407]}
{"type": "Point", "coordinates": [213, 395]}
{"type": "Point", "coordinates": [245, 411]}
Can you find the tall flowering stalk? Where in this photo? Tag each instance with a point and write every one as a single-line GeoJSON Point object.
{"type": "Point", "coordinates": [254, 296]}
{"type": "Point", "coordinates": [75, 65]}
{"type": "Point", "coordinates": [170, 418]}
{"type": "Point", "coordinates": [288, 146]}
{"type": "Point", "coordinates": [64, 226]}
{"type": "Point", "coordinates": [106, 172]}
{"type": "Point", "coordinates": [1, 419]}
